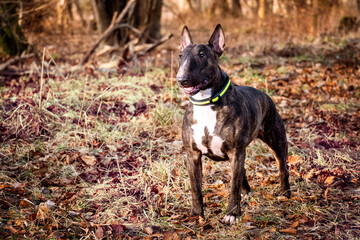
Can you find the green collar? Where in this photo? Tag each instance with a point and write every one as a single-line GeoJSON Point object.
{"type": "Point", "coordinates": [214, 98]}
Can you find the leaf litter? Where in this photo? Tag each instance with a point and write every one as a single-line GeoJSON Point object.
{"type": "Point", "coordinates": [103, 159]}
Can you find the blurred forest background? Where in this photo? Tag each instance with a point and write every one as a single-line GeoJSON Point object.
{"type": "Point", "coordinates": [90, 118]}
{"type": "Point", "coordinates": [25, 24]}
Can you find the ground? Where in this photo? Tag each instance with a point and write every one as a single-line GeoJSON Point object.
{"type": "Point", "coordinates": [97, 153]}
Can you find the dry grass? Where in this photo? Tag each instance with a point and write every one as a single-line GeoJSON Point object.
{"type": "Point", "coordinates": [103, 157]}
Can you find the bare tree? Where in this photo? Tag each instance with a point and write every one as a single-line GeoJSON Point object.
{"type": "Point", "coordinates": [145, 15]}
{"type": "Point", "coordinates": [12, 39]}
{"type": "Point", "coordinates": [236, 8]}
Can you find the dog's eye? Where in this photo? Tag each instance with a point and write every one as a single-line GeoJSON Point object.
{"type": "Point", "coordinates": [180, 56]}
{"type": "Point", "coordinates": [201, 55]}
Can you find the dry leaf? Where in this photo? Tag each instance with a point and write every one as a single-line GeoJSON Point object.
{"type": "Point", "coordinates": [295, 224]}
{"type": "Point", "coordinates": [248, 218]}
{"type": "Point", "coordinates": [148, 230]}
{"type": "Point", "coordinates": [43, 212]}
{"type": "Point", "coordinates": [89, 160]}
{"type": "Point", "coordinates": [329, 180]}
{"type": "Point", "coordinates": [56, 235]}
{"type": "Point", "coordinates": [25, 203]}
{"type": "Point", "coordinates": [326, 193]}
{"type": "Point", "coordinates": [99, 234]}
{"type": "Point", "coordinates": [293, 159]}
{"type": "Point", "coordinates": [268, 196]}
{"type": "Point", "coordinates": [169, 235]}
{"type": "Point", "coordinates": [288, 230]}
{"type": "Point", "coordinates": [11, 229]}
{"type": "Point", "coordinates": [282, 198]}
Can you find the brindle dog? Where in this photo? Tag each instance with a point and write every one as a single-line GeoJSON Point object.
{"type": "Point", "coordinates": [222, 118]}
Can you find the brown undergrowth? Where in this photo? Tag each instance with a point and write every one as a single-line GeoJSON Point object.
{"type": "Point", "coordinates": [99, 155]}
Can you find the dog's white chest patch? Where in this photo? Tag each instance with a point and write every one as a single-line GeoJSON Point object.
{"type": "Point", "coordinates": [205, 119]}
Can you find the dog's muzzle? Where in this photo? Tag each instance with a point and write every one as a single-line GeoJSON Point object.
{"type": "Point", "coordinates": [186, 85]}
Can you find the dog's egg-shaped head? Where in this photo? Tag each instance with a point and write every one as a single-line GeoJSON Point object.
{"type": "Point", "coordinates": [198, 63]}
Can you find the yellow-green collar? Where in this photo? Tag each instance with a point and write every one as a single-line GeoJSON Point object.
{"type": "Point", "coordinates": [214, 98]}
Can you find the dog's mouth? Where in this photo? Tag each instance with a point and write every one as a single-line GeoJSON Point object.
{"type": "Point", "coordinates": [192, 90]}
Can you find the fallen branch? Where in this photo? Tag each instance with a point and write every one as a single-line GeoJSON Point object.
{"type": "Point", "coordinates": [154, 45]}
{"type": "Point", "coordinates": [108, 31]}
{"type": "Point", "coordinates": [144, 49]}
{"type": "Point", "coordinates": [14, 60]}
{"type": "Point", "coordinates": [285, 78]}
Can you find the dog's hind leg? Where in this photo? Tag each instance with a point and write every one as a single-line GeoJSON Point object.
{"type": "Point", "coordinates": [245, 184]}
{"type": "Point", "coordinates": [274, 136]}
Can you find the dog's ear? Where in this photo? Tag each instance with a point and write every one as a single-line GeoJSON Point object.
{"type": "Point", "coordinates": [186, 39]}
{"type": "Point", "coordinates": [217, 40]}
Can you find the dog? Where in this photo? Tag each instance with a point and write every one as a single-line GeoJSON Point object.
{"type": "Point", "coordinates": [221, 120]}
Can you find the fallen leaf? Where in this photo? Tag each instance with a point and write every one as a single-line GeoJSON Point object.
{"type": "Point", "coordinates": [259, 174]}
{"type": "Point", "coordinates": [268, 196]}
{"type": "Point", "coordinates": [169, 235]}
{"type": "Point", "coordinates": [56, 235]}
{"type": "Point", "coordinates": [25, 203]}
{"type": "Point", "coordinates": [43, 212]}
{"type": "Point", "coordinates": [117, 228]}
{"type": "Point", "coordinates": [99, 234]}
{"type": "Point", "coordinates": [89, 160]}
{"type": "Point", "coordinates": [248, 218]}
{"type": "Point", "coordinates": [295, 224]}
{"type": "Point", "coordinates": [288, 230]}
{"type": "Point", "coordinates": [282, 198]}
{"type": "Point", "coordinates": [148, 230]}
{"type": "Point", "coordinates": [253, 204]}
{"type": "Point", "coordinates": [11, 229]}
{"type": "Point", "coordinates": [329, 180]}
{"type": "Point", "coordinates": [326, 193]}
{"type": "Point", "coordinates": [175, 172]}
{"type": "Point", "coordinates": [18, 185]}
{"type": "Point", "coordinates": [293, 159]}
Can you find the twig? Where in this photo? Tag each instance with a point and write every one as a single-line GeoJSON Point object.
{"type": "Point", "coordinates": [14, 60]}
{"type": "Point", "coordinates": [153, 46]}
{"type": "Point", "coordinates": [108, 31]}
{"type": "Point", "coordinates": [285, 78]}
{"type": "Point", "coordinates": [41, 77]}
{"type": "Point", "coordinates": [315, 123]}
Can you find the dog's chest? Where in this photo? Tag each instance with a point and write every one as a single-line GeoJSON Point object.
{"type": "Point", "coordinates": [204, 131]}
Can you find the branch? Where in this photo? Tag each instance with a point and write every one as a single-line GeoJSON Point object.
{"type": "Point", "coordinates": [14, 60]}
{"type": "Point", "coordinates": [108, 31]}
{"type": "Point", "coordinates": [154, 45]}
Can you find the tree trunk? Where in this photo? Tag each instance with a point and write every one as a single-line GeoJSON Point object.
{"type": "Point", "coordinates": [195, 6]}
{"type": "Point", "coordinates": [145, 16]}
{"type": "Point", "coordinates": [236, 8]}
{"type": "Point", "coordinates": [12, 39]}
{"type": "Point", "coordinates": [218, 7]}
{"type": "Point", "coordinates": [262, 9]}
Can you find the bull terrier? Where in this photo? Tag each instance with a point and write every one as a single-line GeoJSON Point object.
{"type": "Point", "coordinates": [221, 120]}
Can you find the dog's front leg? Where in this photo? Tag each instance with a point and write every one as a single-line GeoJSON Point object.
{"type": "Point", "coordinates": [194, 166]}
{"type": "Point", "coordinates": [238, 175]}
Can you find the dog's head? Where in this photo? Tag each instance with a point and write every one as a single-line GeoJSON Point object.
{"type": "Point", "coordinates": [198, 63]}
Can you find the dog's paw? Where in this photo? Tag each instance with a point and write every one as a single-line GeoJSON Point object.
{"type": "Point", "coordinates": [229, 219]}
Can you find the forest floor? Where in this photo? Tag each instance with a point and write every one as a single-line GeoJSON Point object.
{"type": "Point", "coordinates": [97, 153]}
